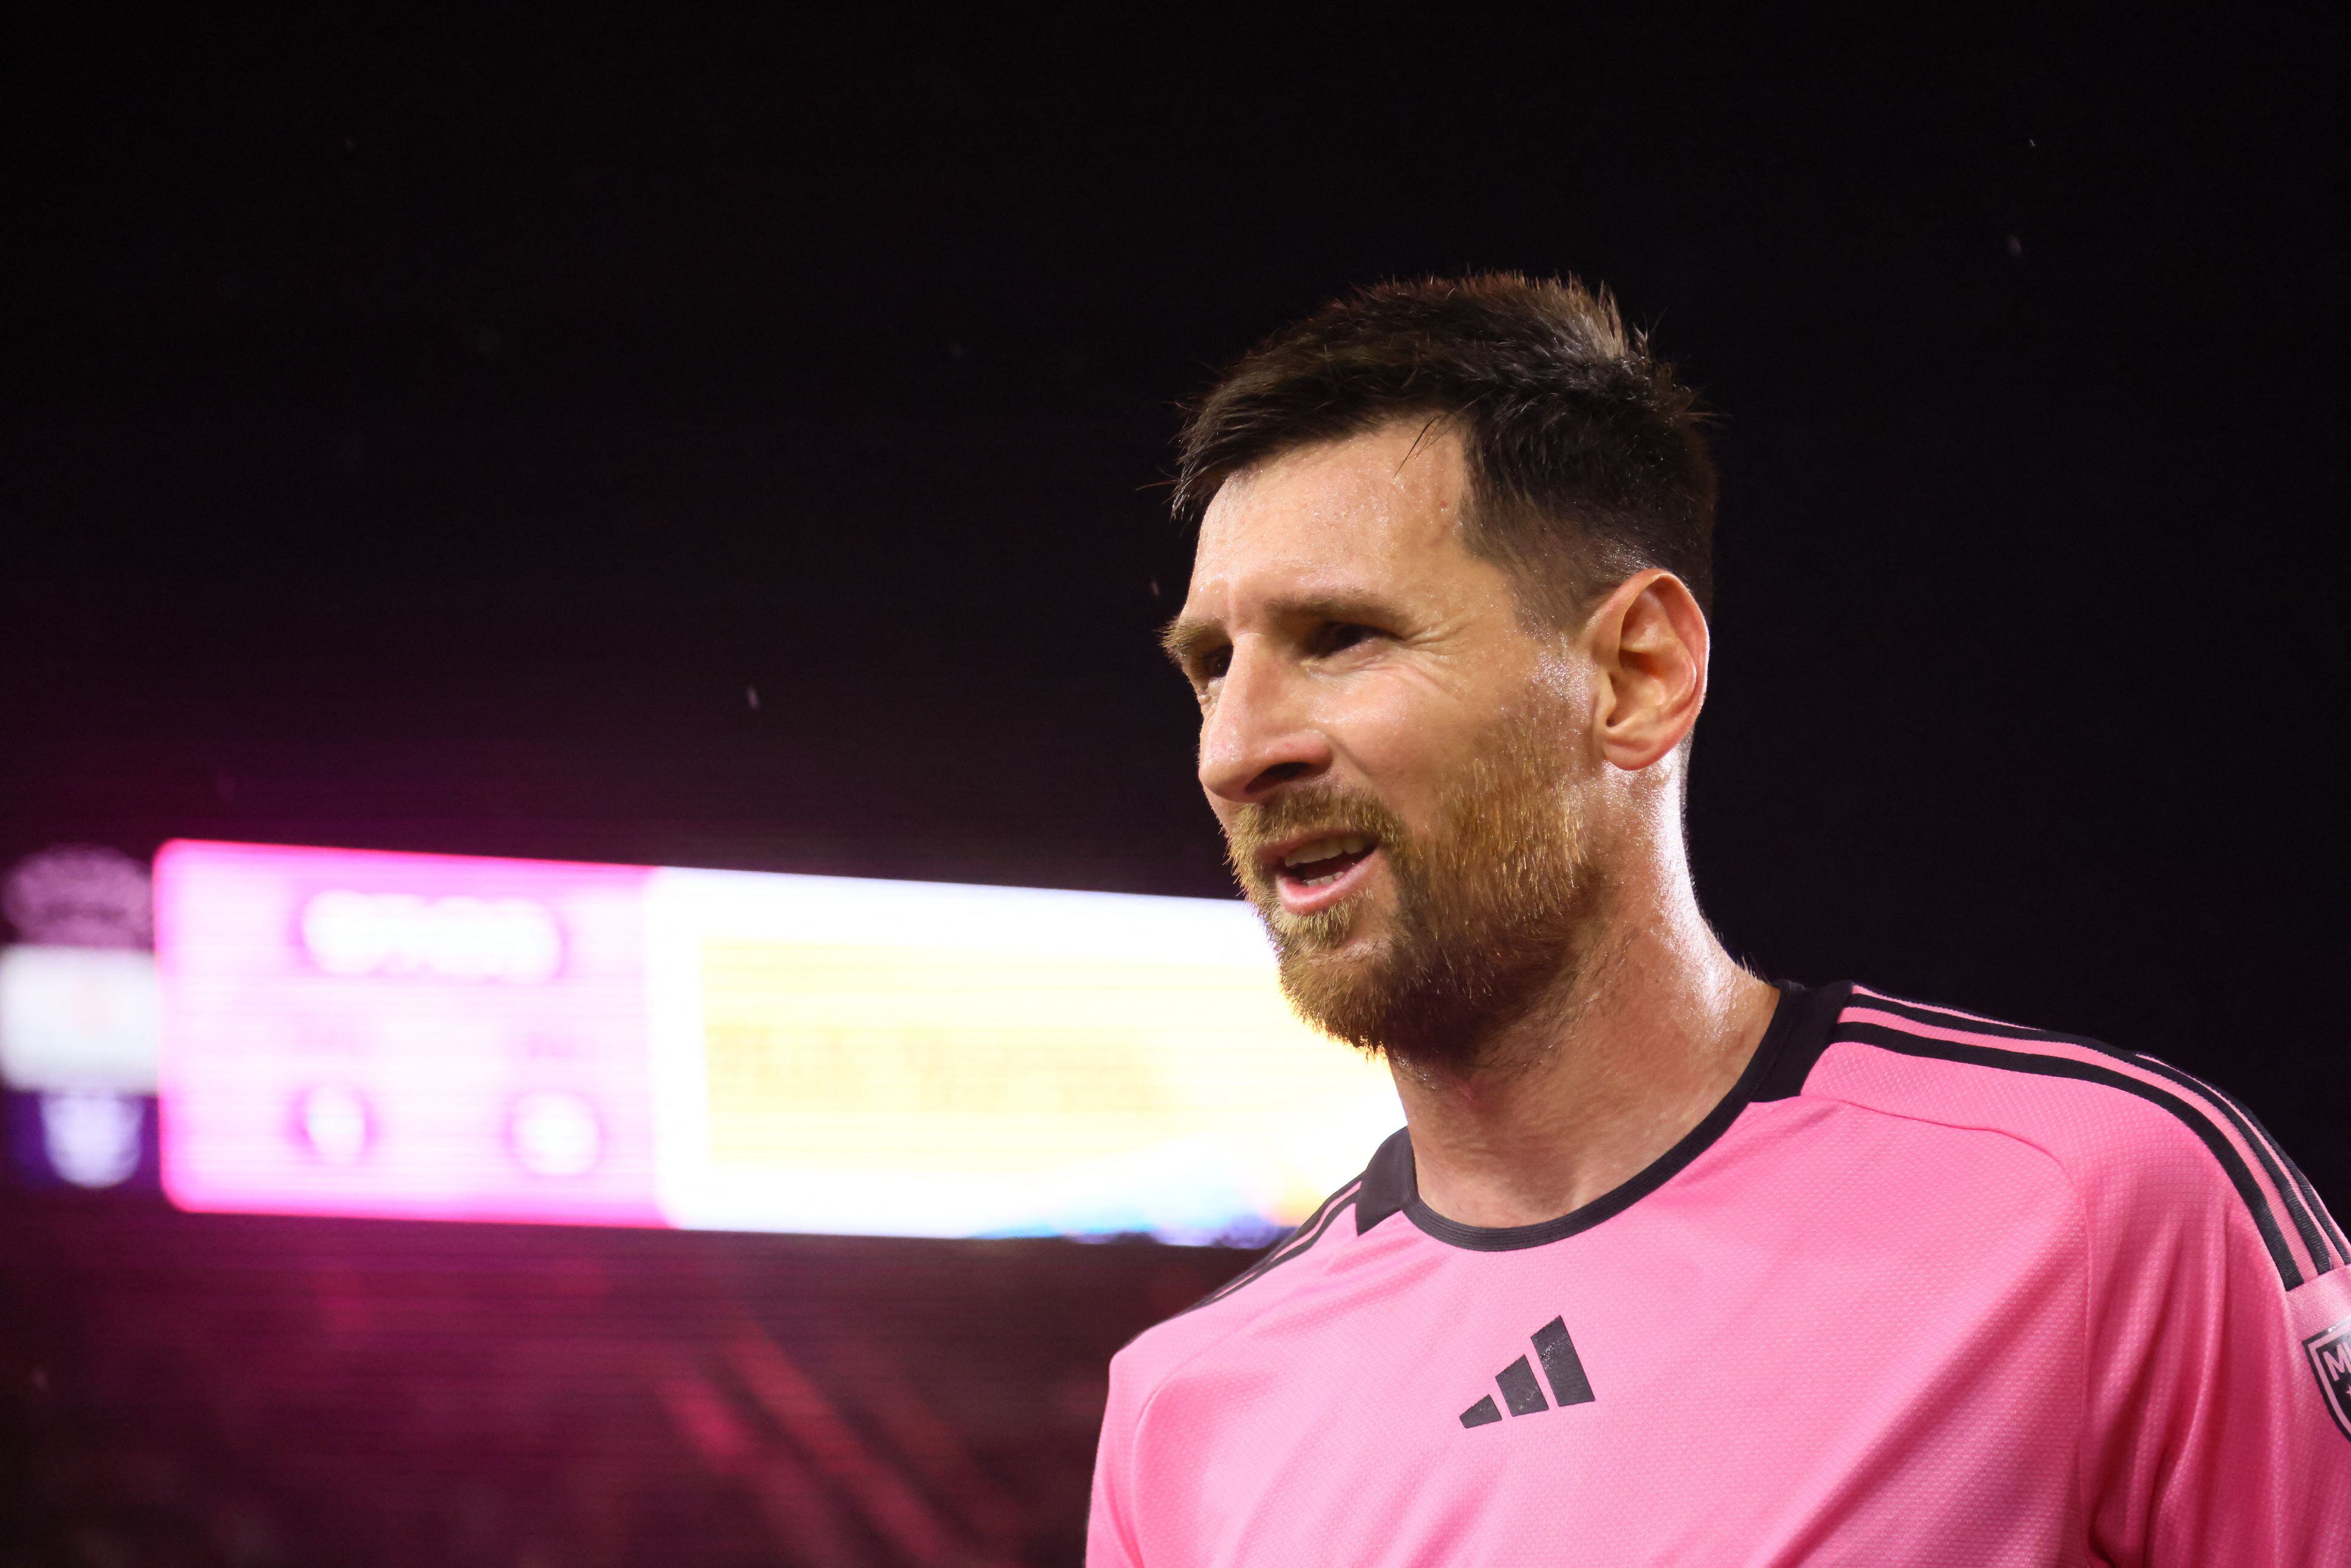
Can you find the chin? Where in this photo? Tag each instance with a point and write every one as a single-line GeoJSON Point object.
{"type": "Point", "coordinates": [1338, 987]}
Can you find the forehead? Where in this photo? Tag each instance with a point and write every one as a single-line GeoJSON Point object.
{"type": "Point", "coordinates": [1376, 513]}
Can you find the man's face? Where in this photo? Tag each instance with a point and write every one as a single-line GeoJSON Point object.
{"type": "Point", "coordinates": [1393, 754]}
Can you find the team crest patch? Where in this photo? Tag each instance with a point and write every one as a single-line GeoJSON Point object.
{"type": "Point", "coordinates": [2330, 1358]}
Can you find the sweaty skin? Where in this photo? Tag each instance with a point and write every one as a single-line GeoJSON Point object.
{"type": "Point", "coordinates": [1339, 632]}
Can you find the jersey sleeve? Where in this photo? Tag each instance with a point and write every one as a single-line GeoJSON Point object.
{"type": "Point", "coordinates": [2219, 1405]}
{"type": "Point", "coordinates": [1110, 1522]}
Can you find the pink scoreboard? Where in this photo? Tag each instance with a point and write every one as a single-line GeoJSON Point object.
{"type": "Point", "coordinates": [444, 1037]}
{"type": "Point", "coordinates": [424, 1036]}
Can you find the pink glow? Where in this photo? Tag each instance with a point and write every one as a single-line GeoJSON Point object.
{"type": "Point", "coordinates": [404, 1036]}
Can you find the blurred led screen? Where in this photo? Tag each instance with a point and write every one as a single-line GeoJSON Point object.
{"type": "Point", "coordinates": [427, 1035]}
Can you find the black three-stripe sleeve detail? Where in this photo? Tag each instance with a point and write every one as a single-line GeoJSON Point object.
{"type": "Point", "coordinates": [1308, 1232]}
{"type": "Point", "coordinates": [2310, 1197]}
{"type": "Point", "coordinates": [2315, 1238]}
{"type": "Point", "coordinates": [2301, 1201]}
{"type": "Point", "coordinates": [2310, 1194]}
{"type": "Point", "coordinates": [2196, 1121]}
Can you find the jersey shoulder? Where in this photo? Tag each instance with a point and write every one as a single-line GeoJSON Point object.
{"type": "Point", "coordinates": [1292, 1264]}
{"type": "Point", "coordinates": [2143, 1141]}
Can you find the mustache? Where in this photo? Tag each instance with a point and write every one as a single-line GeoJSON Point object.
{"type": "Point", "coordinates": [1313, 808]}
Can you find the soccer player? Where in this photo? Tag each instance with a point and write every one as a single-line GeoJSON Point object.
{"type": "Point", "coordinates": [1670, 1264]}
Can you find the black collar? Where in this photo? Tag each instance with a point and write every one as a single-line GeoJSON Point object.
{"type": "Point", "coordinates": [1783, 1058]}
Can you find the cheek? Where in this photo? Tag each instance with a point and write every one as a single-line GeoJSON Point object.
{"type": "Point", "coordinates": [1563, 678]}
{"type": "Point", "coordinates": [1400, 741]}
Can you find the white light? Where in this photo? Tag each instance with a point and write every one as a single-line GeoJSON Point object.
{"type": "Point", "coordinates": [78, 1017]}
{"type": "Point", "coordinates": [334, 1122]}
{"type": "Point", "coordinates": [454, 939]}
{"type": "Point", "coordinates": [92, 1138]}
{"type": "Point", "coordinates": [555, 1134]}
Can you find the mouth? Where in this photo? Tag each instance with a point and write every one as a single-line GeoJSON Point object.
{"type": "Point", "coordinates": [1315, 872]}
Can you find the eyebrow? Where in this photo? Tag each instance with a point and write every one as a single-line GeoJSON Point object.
{"type": "Point", "coordinates": [1184, 640]}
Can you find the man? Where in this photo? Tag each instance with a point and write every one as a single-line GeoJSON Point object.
{"type": "Point", "coordinates": [1670, 1265]}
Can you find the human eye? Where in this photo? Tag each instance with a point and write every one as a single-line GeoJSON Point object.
{"type": "Point", "coordinates": [1206, 666]}
{"type": "Point", "coordinates": [1338, 637]}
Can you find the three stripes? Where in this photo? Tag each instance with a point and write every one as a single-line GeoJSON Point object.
{"type": "Point", "coordinates": [1563, 1368]}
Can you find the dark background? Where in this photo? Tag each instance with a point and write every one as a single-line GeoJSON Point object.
{"type": "Point", "coordinates": [429, 430]}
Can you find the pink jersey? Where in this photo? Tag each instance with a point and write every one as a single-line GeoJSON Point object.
{"type": "Point", "coordinates": [1925, 1289]}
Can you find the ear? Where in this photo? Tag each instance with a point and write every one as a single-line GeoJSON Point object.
{"type": "Point", "coordinates": [1647, 642]}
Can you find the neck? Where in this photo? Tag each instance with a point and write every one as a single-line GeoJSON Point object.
{"type": "Point", "coordinates": [1644, 1036]}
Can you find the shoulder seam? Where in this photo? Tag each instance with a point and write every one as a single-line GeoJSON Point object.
{"type": "Point", "coordinates": [2081, 1215]}
{"type": "Point", "coordinates": [2056, 1161]}
{"type": "Point", "coordinates": [2322, 1238]}
{"type": "Point", "coordinates": [2203, 1126]}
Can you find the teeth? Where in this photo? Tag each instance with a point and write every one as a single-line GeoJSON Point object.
{"type": "Point", "coordinates": [1326, 849]}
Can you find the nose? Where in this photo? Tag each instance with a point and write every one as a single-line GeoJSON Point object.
{"type": "Point", "coordinates": [1258, 733]}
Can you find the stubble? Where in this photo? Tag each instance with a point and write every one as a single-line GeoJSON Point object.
{"type": "Point", "coordinates": [1494, 904]}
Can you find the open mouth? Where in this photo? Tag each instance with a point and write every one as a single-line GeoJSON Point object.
{"type": "Point", "coordinates": [1316, 872]}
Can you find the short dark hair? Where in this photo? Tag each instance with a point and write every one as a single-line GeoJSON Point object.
{"type": "Point", "coordinates": [1587, 460]}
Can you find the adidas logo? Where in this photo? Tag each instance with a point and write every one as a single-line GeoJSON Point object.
{"type": "Point", "coordinates": [1562, 1369]}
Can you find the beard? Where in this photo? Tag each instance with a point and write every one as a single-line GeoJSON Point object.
{"type": "Point", "coordinates": [1493, 907]}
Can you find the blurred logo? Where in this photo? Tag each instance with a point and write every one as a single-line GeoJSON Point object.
{"type": "Point", "coordinates": [512, 940]}
{"type": "Point", "coordinates": [80, 895]}
{"type": "Point", "coordinates": [334, 1122]}
{"type": "Point", "coordinates": [91, 1137]}
{"type": "Point", "coordinates": [554, 1133]}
